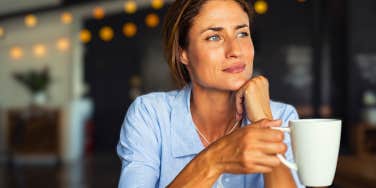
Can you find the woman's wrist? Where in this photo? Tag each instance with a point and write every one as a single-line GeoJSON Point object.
{"type": "Point", "coordinates": [202, 171]}
{"type": "Point", "coordinates": [212, 167]}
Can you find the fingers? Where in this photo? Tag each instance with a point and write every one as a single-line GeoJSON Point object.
{"type": "Point", "coordinates": [239, 116]}
{"type": "Point", "coordinates": [261, 163]}
{"type": "Point", "coordinates": [261, 131]}
{"type": "Point", "coordinates": [256, 150]}
{"type": "Point", "coordinates": [270, 161]}
{"type": "Point", "coordinates": [274, 148]}
{"type": "Point", "coordinates": [271, 136]}
{"type": "Point", "coordinates": [239, 98]}
{"type": "Point", "coordinates": [266, 141]}
{"type": "Point", "coordinates": [254, 96]}
{"type": "Point", "coordinates": [239, 168]}
{"type": "Point", "coordinates": [265, 123]}
{"type": "Point", "coordinates": [262, 169]}
{"type": "Point", "coordinates": [274, 123]}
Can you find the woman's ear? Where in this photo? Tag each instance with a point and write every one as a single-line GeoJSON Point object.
{"type": "Point", "coordinates": [183, 55]}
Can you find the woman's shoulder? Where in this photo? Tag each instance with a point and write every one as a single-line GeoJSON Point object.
{"type": "Point", "coordinates": [156, 100]}
{"type": "Point", "coordinates": [282, 110]}
{"type": "Point", "coordinates": [150, 108]}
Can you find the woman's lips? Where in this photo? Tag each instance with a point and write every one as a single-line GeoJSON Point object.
{"type": "Point", "coordinates": [235, 68]}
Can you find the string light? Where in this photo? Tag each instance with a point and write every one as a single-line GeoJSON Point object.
{"type": "Point", "coordinates": [98, 13]}
{"type": "Point", "coordinates": [157, 4]}
{"type": "Point", "coordinates": [16, 53]}
{"type": "Point", "coordinates": [31, 20]}
{"type": "Point", "coordinates": [106, 33]}
{"type": "Point", "coordinates": [63, 44]}
{"type": "Point", "coordinates": [39, 50]}
{"type": "Point", "coordinates": [2, 32]}
{"type": "Point", "coordinates": [152, 20]}
{"type": "Point", "coordinates": [135, 81]}
{"type": "Point", "coordinates": [130, 7]}
{"type": "Point", "coordinates": [129, 29]}
{"type": "Point", "coordinates": [66, 18]}
{"type": "Point", "coordinates": [85, 36]}
{"type": "Point", "coordinates": [261, 6]}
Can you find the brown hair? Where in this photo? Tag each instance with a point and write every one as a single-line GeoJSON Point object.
{"type": "Point", "coordinates": [177, 23]}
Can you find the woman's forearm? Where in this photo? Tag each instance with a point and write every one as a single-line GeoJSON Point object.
{"type": "Point", "coordinates": [280, 177]}
{"type": "Point", "coordinates": [200, 172]}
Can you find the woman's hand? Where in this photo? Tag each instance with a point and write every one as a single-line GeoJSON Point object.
{"type": "Point", "coordinates": [251, 149]}
{"type": "Point", "coordinates": [254, 96]}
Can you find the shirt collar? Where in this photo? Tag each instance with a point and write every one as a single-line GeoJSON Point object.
{"type": "Point", "coordinates": [185, 139]}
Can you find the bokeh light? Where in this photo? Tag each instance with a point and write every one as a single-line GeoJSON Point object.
{"type": "Point", "coordinates": [66, 18]}
{"type": "Point", "coordinates": [152, 20]}
{"type": "Point", "coordinates": [16, 53]}
{"type": "Point", "coordinates": [85, 36]}
{"type": "Point", "coordinates": [106, 33]}
{"type": "Point", "coordinates": [135, 81]}
{"type": "Point", "coordinates": [2, 32]}
{"type": "Point", "coordinates": [39, 50]}
{"type": "Point", "coordinates": [261, 6]}
{"type": "Point", "coordinates": [129, 29]}
{"type": "Point", "coordinates": [63, 44]}
{"type": "Point", "coordinates": [98, 13]}
{"type": "Point", "coordinates": [130, 7]}
{"type": "Point", "coordinates": [157, 4]}
{"type": "Point", "coordinates": [31, 20]}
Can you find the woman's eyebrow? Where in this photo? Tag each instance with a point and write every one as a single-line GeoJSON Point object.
{"type": "Point", "coordinates": [241, 26]}
{"type": "Point", "coordinates": [221, 28]}
{"type": "Point", "coordinates": [212, 29]}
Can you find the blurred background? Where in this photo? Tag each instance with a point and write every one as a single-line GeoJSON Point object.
{"type": "Point", "coordinates": [70, 68]}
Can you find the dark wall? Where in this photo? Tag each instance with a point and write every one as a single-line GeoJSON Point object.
{"type": "Point", "coordinates": [109, 67]}
{"type": "Point", "coordinates": [278, 35]}
{"type": "Point", "coordinates": [338, 39]}
{"type": "Point", "coordinates": [362, 54]}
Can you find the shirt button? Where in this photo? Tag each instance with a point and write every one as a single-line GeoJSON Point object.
{"type": "Point", "coordinates": [227, 180]}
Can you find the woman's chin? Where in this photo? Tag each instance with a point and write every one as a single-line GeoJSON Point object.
{"type": "Point", "coordinates": [236, 84]}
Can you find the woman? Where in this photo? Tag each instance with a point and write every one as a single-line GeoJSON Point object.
{"type": "Point", "coordinates": [197, 136]}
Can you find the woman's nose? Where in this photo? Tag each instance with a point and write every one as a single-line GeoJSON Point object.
{"type": "Point", "coordinates": [233, 49]}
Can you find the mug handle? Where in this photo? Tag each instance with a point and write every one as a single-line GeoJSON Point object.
{"type": "Point", "coordinates": [289, 164]}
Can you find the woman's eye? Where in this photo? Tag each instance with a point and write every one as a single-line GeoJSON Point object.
{"type": "Point", "coordinates": [213, 38]}
{"type": "Point", "coordinates": [243, 34]}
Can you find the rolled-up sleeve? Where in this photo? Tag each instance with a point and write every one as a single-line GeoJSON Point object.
{"type": "Point", "coordinates": [139, 147]}
{"type": "Point", "coordinates": [290, 114]}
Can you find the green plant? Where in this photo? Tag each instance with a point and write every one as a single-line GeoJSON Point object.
{"type": "Point", "coordinates": [34, 80]}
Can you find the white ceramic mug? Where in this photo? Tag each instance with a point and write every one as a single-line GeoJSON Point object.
{"type": "Point", "coordinates": [315, 145]}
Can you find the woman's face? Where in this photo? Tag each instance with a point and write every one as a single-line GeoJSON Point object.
{"type": "Point", "coordinates": [220, 50]}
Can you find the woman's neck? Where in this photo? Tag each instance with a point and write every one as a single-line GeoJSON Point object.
{"type": "Point", "coordinates": [213, 111]}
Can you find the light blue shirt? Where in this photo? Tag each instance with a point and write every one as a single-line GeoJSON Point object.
{"type": "Point", "coordinates": [158, 139]}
